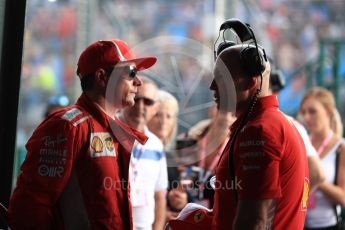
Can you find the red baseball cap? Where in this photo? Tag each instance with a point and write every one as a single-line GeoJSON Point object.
{"type": "Point", "coordinates": [108, 53]}
{"type": "Point", "coordinates": [192, 217]}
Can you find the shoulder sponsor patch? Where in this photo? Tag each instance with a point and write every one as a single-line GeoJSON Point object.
{"type": "Point", "coordinates": [71, 114]}
{"type": "Point", "coordinates": [101, 145]}
{"type": "Point", "coordinates": [81, 120]}
{"type": "Point", "coordinates": [305, 196]}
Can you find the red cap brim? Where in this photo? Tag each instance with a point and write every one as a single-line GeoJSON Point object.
{"type": "Point", "coordinates": [142, 63]}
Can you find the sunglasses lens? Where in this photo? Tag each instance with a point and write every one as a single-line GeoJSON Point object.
{"type": "Point", "coordinates": [132, 72]}
{"type": "Point", "coordinates": [146, 101]}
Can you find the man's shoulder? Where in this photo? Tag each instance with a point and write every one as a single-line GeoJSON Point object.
{"type": "Point", "coordinates": [272, 118]}
{"type": "Point", "coordinates": [270, 125]}
{"type": "Point", "coordinates": [274, 113]}
{"type": "Point", "coordinates": [65, 123]}
{"type": "Point", "coordinates": [71, 116]}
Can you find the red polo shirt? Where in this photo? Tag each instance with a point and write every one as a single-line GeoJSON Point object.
{"type": "Point", "coordinates": [269, 163]}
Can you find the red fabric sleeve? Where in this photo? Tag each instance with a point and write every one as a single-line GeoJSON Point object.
{"type": "Point", "coordinates": [44, 174]}
{"type": "Point", "coordinates": [259, 155]}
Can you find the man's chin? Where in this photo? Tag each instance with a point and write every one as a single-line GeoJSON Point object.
{"type": "Point", "coordinates": [128, 103]}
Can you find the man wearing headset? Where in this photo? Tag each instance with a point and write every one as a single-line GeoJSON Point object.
{"type": "Point", "coordinates": [75, 175]}
{"type": "Point", "coordinates": [262, 176]}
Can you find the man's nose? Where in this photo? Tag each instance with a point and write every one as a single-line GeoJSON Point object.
{"type": "Point", "coordinates": [213, 85]}
{"type": "Point", "coordinates": [137, 81]}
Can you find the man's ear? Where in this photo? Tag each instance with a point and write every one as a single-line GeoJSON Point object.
{"type": "Point", "coordinates": [101, 77]}
{"type": "Point", "coordinates": [250, 83]}
{"type": "Point", "coordinates": [253, 82]}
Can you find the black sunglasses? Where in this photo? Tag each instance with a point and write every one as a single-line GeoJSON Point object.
{"type": "Point", "coordinates": [147, 101]}
{"type": "Point", "coordinates": [131, 70]}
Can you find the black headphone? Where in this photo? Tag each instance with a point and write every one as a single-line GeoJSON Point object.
{"type": "Point", "coordinates": [252, 61]}
{"type": "Point", "coordinates": [277, 80]}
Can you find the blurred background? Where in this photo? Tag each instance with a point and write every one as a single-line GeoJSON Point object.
{"type": "Point", "coordinates": [306, 38]}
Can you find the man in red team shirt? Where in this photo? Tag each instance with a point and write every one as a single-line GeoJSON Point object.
{"type": "Point", "coordinates": [262, 183]}
{"type": "Point", "coordinates": [75, 175]}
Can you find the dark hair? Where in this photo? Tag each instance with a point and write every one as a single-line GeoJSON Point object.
{"type": "Point", "coordinates": [87, 82]}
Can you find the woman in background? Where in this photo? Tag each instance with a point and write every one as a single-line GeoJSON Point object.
{"type": "Point", "coordinates": [164, 123]}
{"type": "Point", "coordinates": [324, 124]}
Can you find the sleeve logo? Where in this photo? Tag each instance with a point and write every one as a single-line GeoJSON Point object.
{"type": "Point", "coordinates": [305, 195]}
{"type": "Point", "coordinates": [199, 216]}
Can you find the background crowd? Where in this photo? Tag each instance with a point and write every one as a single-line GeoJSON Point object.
{"type": "Point", "coordinates": [289, 30]}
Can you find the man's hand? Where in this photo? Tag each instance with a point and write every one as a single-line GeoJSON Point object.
{"type": "Point", "coordinates": [177, 198]}
{"type": "Point", "coordinates": [160, 210]}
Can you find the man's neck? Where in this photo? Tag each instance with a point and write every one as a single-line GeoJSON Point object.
{"type": "Point", "coordinates": [243, 107]}
{"type": "Point", "coordinates": [264, 93]}
{"type": "Point", "coordinates": [134, 125]}
{"type": "Point", "coordinates": [102, 104]}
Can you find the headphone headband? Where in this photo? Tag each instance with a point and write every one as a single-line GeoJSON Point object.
{"type": "Point", "coordinates": [253, 62]}
{"type": "Point", "coordinates": [243, 31]}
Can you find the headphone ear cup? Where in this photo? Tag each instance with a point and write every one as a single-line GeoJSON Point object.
{"type": "Point", "coordinates": [251, 62]}
{"type": "Point", "coordinates": [223, 45]}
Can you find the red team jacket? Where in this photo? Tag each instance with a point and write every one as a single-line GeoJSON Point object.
{"type": "Point", "coordinates": [269, 163]}
{"type": "Point", "coordinates": [75, 174]}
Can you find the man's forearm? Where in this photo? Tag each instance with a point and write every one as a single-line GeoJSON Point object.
{"type": "Point", "coordinates": [249, 223]}
{"type": "Point", "coordinates": [254, 214]}
{"type": "Point", "coordinates": [160, 211]}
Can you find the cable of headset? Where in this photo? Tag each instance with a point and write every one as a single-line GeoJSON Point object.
{"type": "Point", "coordinates": [243, 122]}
